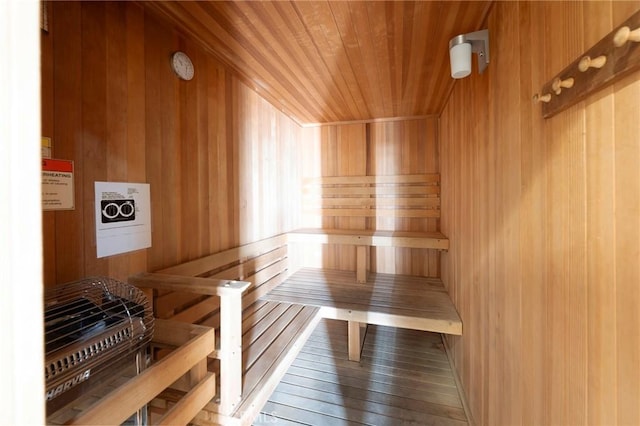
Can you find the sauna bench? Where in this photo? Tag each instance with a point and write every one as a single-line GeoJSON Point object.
{"type": "Point", "coordinates": [257, 339]}
{"type": "Point", "coordinates": [368, 199]}
{"type": "Point", "coordinates": [262, 328]}
{"type": "Point", "coordinates": [373, 238]}
{"type": "Point", "coordinates": [365, 239]}
{"type": "Point", "coordinates": [402, 301]}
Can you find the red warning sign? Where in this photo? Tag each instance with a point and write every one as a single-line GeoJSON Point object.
{"type": "Point", "coordinates": [57, 185]}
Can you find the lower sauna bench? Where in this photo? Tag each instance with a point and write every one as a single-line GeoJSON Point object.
{"type": "Point", "coordinates": [403, 377]}
{"type": "Point", "coordinates": [402, 301]}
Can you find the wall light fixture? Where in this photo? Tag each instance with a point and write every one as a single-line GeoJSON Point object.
{"type": "Point", "coordinates": [460, 49]}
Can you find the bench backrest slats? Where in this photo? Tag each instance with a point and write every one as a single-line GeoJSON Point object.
{"type": "Point", "coordinates": [263, 263]}
{"type": "Point", "coordinates": [397, 196]}
{"type": "Point", "coordinates": [379, 179]}
{"type": "Point", "coordinates": [204, 265]}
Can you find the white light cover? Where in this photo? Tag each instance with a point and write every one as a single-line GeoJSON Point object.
{"type": "Point", "coordinates": [460, 56]}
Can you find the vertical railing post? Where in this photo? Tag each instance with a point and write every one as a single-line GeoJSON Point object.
{"type": "Point", "coordinates": [230, 351]}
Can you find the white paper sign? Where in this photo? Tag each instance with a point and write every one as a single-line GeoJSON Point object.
{"type": "Point", "coordinates": [123, 217]}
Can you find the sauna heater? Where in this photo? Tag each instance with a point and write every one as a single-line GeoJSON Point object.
{"type": "Point", "coordinates": [95, 328]}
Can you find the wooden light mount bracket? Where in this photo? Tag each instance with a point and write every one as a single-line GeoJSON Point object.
{"type": "Point", "coordinates": [613, 57]}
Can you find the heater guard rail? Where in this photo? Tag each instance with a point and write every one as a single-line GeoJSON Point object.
{"type": "Point", "coordinates": [194, 343]}
{"type": "Point", "coordinates": [230, 352]}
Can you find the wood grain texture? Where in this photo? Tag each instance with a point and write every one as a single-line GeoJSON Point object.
{"type": "Point", "coordinates": [402, 378]}
{"type": "Point", "coordinates": [375, 150]}
{"type": "Point", "coordinates": [401, 301]}
{"type": "Point", "coordinates": [542, 216]}
{"type": "Point", "coordinates": [620, 61]}
{"type": "Point", "coordinates": [116, 407]}
{"type": "Point", "coordinates": [210, 148]}
{"type": "Point", "coordinates": [324, 62]}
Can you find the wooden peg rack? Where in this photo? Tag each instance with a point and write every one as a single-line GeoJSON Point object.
{"type": "Point", "coordinates": [613, 57]}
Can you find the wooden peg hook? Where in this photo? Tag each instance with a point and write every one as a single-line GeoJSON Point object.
{"type": "Point", "coordinates": [558, 84]}
{"type": "Point", "coordinates": [625, 34]}
{"type": "Point", "coordinates": [586, 62]}
{"type": "Point", "coordinates": [542, 98]}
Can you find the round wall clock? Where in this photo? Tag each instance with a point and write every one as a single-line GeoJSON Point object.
{"type": "Point", "coordinates": [182, 65]}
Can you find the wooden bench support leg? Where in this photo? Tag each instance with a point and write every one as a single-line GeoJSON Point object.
{"type": "Point", "coordinates": [230, 352]}
{"type": "Point", "coordinates": [362, 261]}
{"type": "Point", "coordinates": [357, 331]}
{"type": "Point", "coordinates": [197, 373]}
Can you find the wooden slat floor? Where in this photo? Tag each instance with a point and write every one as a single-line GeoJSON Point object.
{"type": "Point", "coordinates": [403, 378]}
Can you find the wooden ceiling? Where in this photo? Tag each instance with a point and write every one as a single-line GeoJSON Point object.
{"type": "Point", "coordinates": [334, 61]}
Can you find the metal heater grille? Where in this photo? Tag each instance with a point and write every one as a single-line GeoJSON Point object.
{"type": "Point", "coordinates": [91, 325]}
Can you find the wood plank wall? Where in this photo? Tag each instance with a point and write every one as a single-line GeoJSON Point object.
{"type": "Point", "coordinates": [544, 222]}
{"type": "Point", "coordinates": [397, 147]}
{"type": "Point", "coordinates": [211, 149]}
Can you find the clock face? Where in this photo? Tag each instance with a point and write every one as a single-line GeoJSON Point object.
{"type": "Point", "coordinates": [182, 65]}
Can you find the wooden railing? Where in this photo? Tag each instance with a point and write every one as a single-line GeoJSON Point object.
{"type": "Point", "coordinates": [230, 351]}
{"type": "Point", "coordinates": [194, 344]}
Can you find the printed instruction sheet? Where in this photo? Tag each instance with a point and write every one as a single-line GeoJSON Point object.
{"type": "Point", "coordinates": [123, 217]}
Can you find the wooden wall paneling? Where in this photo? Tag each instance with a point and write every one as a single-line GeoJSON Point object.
{"type": "Point", "coordinates": [94, 127]}
{"type": "Point", "coordinates": [533, 216]}
{"type": "Point", "coordinates": [328, 163]}
{"type": "Point", "coordinates": [268, 187]}
{"type": "Point", "coordinates": [67, 113]}
{"type": "Point", "coordinates": [627, 249]}
{"type": "Point", "coordinates": [47, 128]}
{"type": "Point", "coordinates": [248, 166]}
{"type": "Point", "coordinates": [386, 159]}
{"type": "Point", "coordinates": [542, 294]}
{"type": "Point", "coordinates": [576, 199]}
{"type": "Point", "coordinates": [116, 114]}
{"type": "Point", "coordinates": [171, 143]}
{"type": "Point", "coordinates": [558, 215]}
{"type": "Point", "coordinates": [423, 153]}
{"type": "Point", "coordinates": [567, 224]}
{"type": "Point", "coordinates": [404, 147]}
{"type": "Point", "coordinates": [121, 114]}
{"type": "Point", "coordinates": [508, 178]}
{"type": "Point", "coordinates": [187, 147]}
{"type": "Point", "coordinates": [600, 245]}
{"type": "Point", "coordinates": [263, 156]}
{"type": "Point", "coordinates": [627, 239]}
{"type": "Point", "coordinates": [233, 167]}
{"type": "Point", "coordinates": [94, 131]}
{"type": "Point", "coordinates": [218, 194]}
{"type": "Point", "coordinates": [204, 168]}
{"type": "Point", "coordinates": [351, 161]}
{"type": "Point", "coordinates": [288, 172]}
{"type": "Point", "coordinates": [311, 152]}
{"type": "Point", "coordinates": [468, 275]}
{"type": "Point", "coordinates": [156, 122]}
{"type": "Point", "coordinates": [135, 107]}
{"type": "Point", "coordinates": [481, 217]}
{"type": "Point", "coordinates": [232, 178]}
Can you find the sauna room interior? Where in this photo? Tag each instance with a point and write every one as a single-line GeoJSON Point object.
{"type": "Point", "coordinates": [512, 195]}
